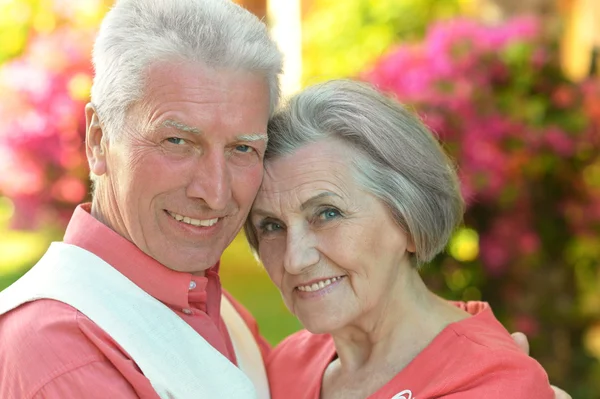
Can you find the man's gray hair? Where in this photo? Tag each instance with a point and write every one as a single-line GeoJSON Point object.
{"type": "Point", "coordinates": [137, 33]}
{"type": "Point", "coordinates": [398, 159]}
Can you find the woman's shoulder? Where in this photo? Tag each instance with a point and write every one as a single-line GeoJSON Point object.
{"type": "Point", "coordinates": [482, 329]}
{"type": "Point", "coordinates": [472, 358]}
{"type": "Point", "coordinates": [495, 371]}
{"type": "Point", "coordinates": [485, 358]}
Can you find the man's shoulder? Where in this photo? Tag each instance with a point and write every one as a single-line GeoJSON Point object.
{"type": "Point", "coordinates": [53, 319]}
{"type": "Point", "coordinates": [47, 327]}
{"type": "Point", "coordinates": [41, 339]}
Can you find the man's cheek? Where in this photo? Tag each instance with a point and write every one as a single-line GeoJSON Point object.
{"type": "Point", "coordinates": [250, 184]}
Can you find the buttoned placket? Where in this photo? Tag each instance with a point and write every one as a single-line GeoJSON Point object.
{"type": "Point", "coordinates": [192, 286]}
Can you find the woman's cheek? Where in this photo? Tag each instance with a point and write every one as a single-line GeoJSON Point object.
{"type": "Point", "coordinates": [272, 260]}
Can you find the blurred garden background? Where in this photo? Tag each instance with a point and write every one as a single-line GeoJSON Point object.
{"type": "Point", "coordinates": [510, 86]}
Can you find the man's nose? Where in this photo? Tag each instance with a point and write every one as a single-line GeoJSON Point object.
{"type": "Point", "coordinates": [301, 250]}
{"type": "Point", "coordinates": [211, 180]}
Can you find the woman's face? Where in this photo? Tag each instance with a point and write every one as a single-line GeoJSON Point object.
{"type": "Point", "coordinates": [333, 250]}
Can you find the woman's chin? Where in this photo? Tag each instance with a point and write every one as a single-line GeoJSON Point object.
{"type": "Point", "coordinates": [317, 329]}
{"type": "Point", "coordinates": [322, 315]}
{"type": "Point", "coordinates": [321, 324]}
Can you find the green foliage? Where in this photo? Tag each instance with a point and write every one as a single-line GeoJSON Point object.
{"type": "Point", "coordinates": [340, 38]}
{"type": "Point", "coordinates": [22, 19]}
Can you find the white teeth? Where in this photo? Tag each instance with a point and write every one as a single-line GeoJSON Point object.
{"type": "Point", "coordinates": [208, 223]}
{"type": "Point", "coordinates": [194, 222]}
{"type": "Point", "coordinates": [317, 286]}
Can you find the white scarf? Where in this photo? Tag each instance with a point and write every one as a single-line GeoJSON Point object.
{"type": "Point", "coordinates": [179, 363]}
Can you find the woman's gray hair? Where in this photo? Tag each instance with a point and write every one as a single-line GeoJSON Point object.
{"type": "Point", "coordinates": [137, 33]}
{"type": "Point", "coordinates": [399, 160]}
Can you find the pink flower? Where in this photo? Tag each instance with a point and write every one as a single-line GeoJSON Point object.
{"type": "Point", "coordinates": [559, 142]}
{"type": "Point", "coordinates": [529, 242]}
{"type": "Point", "coordinates": [42, 125]}
{"type": "Point", "coordinates": [495, 255]}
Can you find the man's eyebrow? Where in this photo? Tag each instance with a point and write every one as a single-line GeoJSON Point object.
{"type": "Point", "coordinates": [253, 137]}
{"type": "Point", "coordinates": [181, 126]}
{"type": "Point", "coordinates": [317, 198]}
{"type": "Point", "coordinates": [189, 129]}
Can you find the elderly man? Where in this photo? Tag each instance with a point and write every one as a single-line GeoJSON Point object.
{"type": "Point", "coordinates": [130, 305]}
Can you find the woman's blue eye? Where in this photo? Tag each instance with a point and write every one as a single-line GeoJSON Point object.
{"type": "Point", "coordinates": [176, 140]}
{"type": "Point", "coordinates": [329, 213]}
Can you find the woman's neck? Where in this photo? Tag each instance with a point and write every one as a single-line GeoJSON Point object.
{"type": "Point", "coordinates": [396, 330]}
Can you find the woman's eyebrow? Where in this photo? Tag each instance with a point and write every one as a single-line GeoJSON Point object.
{"type": "Point", "coordinates": [260, 212]}
{"type": "Point", "coordinates": [306, 204]}
{"type": "Point", "coordinates": [317, 198]}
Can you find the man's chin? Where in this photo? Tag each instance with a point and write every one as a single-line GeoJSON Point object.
{"type": "Point", "coordinates": [197, 270]}
{"type": "Point", "coordinates": [189, 265]}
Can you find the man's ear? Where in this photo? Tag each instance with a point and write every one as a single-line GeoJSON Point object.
{"type": "Point", "coordinates": [95, 142]}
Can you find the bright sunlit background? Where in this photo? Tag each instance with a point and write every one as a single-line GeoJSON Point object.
{"type": "Point", "coordinates": [510, 86]}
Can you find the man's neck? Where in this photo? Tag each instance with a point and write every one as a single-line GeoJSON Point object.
{"type": "Point", "coordinates": [108, 216]}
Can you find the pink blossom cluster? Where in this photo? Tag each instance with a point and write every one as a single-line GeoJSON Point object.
{"type": "Point", "coordinates": [42, 127]}
{"type": "Point", "coordinates": [521, 133]}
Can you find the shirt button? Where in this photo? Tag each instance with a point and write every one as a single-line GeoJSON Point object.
{"type": "Point", "coordinates": [187, 311]}
{"type": "Point", "coordinates": [192, 285]}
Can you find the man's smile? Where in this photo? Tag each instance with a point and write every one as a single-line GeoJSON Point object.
{"type": "Point", "coordinates": [192, 221]}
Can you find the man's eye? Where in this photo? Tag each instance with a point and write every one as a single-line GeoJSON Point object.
{"type": "Point", "coordinates": [244, 148]}
{"type": "Point", "coordinates": [176, 140]}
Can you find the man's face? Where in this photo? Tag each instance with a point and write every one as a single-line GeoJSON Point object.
{"type": "Point", "coordinates": [180, 179]}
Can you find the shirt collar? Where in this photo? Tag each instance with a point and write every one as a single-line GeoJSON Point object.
{"type": "Point", "coordinates": [168, 286]}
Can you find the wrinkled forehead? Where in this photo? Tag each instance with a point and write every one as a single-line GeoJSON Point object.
{"type": "Point", "coordinates": [204, 94]}
{"type": "Point", "coordinates": [290, 180]}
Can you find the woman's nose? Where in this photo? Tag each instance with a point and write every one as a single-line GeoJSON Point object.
{"type": "Point", "coordinates": [301, 250]}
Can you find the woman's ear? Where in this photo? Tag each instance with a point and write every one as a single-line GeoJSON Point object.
{"type": "Point", "coordinates": [94, 141]}
{"type": "Point", "coordinates": [410, 245]}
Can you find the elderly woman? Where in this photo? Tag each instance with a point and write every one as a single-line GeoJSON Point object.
{"type": "Point", "coordinates": [356, 196]}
